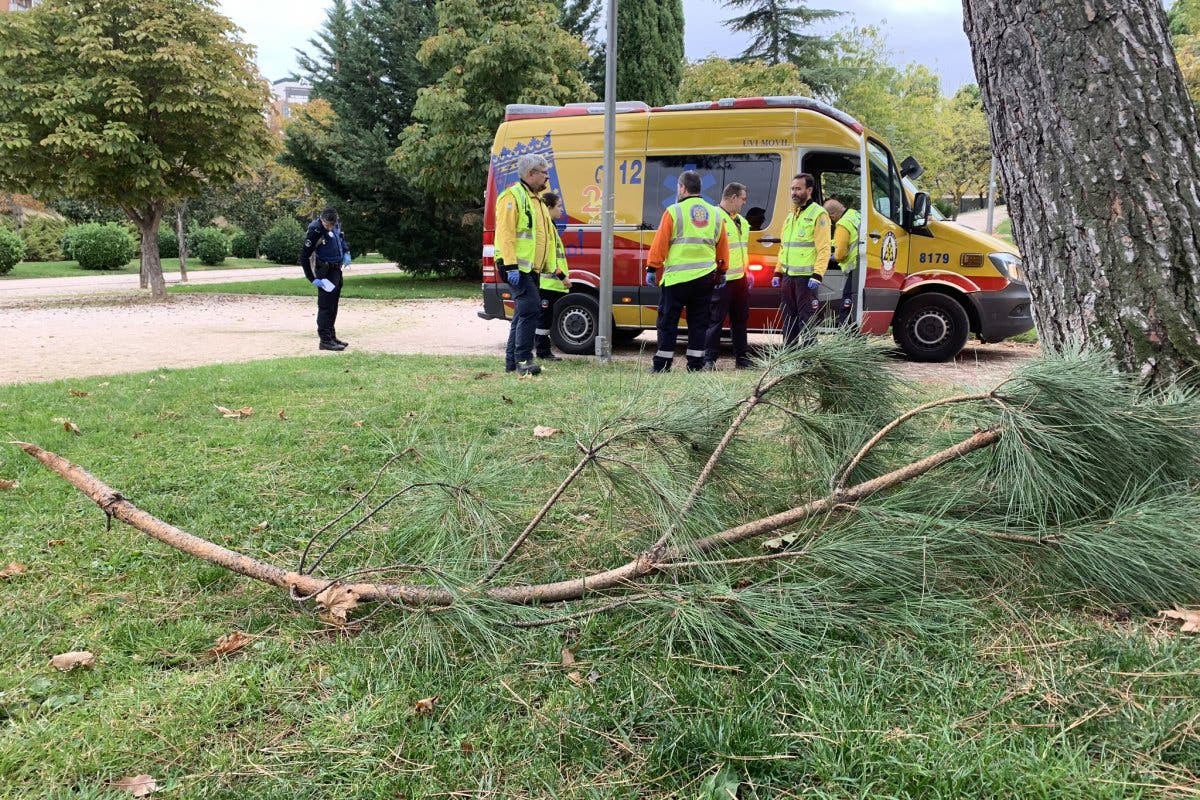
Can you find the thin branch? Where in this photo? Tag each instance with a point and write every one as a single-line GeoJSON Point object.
{"type": "Point", "coordinates": [346, 513]}
{"type": "Point", "coordinates": [591, 612]}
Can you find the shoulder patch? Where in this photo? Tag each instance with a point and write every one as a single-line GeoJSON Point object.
{"type": "Point", "coordinates": [822, 221]}
{"type": "Point", "coordinates": [510, 205]}
{"type": "Point", "coordinates": [308, 242]}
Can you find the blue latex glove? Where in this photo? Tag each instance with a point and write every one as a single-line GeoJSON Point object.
{"type": "Point", "coordinates": [324, 283]}
{"type": "Point", "coordinates": [722, 282]}
{"type": "Point", "coordinates": [513, 276]}
{"type": "Point", "coordinates": [775, 281]}
{"type": "Point", "coordinates": [345, 259]}
{"type": "Point", "coordinates": [651, 278]}
{"type": "Point", "coordinates": [749, 280]}
{"type": "Point", "coordinates": [813, 284]}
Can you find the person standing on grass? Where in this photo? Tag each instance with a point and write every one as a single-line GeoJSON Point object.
{"type": "Point", "coordinates": [803, 258]}
{"type": "Point", "coordinates": [553, 284]}
{"type": "Point", "coordinates": [523, 248]}
{"type": "Point", "coordinates": [733, 299]}
{"type": "Point", "coordinates": [324, 254]}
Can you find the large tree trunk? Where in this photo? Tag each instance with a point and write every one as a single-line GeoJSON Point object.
{"type": "Point", "coordinates": [147, 220]}
{"type": "Point", "coordinates": [1100, 156]}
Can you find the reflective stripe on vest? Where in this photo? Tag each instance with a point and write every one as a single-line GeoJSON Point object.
{"type": "Point", "coordinates": [737, 230]}
{"type": "Point", "coordinates": [694, 235]}
{"type": "Point", "coordinates": [547, 280]}
{"type": "Point", "coordinates": [850, 221]}
{"type": "Point", "coordinates": [799, 252]}
{"type": "Point", "coordinates": [526, 226]}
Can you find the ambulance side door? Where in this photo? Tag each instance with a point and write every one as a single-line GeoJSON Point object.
{"type": "Point", "coordinates": [886, 239]}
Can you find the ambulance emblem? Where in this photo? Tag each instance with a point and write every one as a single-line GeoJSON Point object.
{"type": "Point", "coordinates": [699, 214]}
{"type": "Point", "coordinates": [889, 251]}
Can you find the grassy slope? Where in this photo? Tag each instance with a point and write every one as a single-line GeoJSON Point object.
{"type": "Point", "coordinates": [66, 269]}
{"type": "Point", "coordinates": [1062, 706]}
{"type": "Point", "coordinates": [388, 286]}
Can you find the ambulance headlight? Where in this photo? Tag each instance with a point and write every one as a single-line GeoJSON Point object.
{"type": "Point", "coordinates": [1009, 266]}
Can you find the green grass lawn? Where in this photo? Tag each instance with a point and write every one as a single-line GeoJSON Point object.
{"type": "Point", "coordinates": [386, 286]}
{"type": "Point", "coordinates": [1002, 702]}
{"type": "Point", "coordinates": [1004, 231]}
{"type": "Point", "coordinates": [64, 269]}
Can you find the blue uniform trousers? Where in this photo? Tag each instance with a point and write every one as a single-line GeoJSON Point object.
{"type": "Point", "coordinates": [732, 300]}
{"type": "Point", "coordinates": [527, 308]}
{"type": "Point", "coordinates": [694, 295]}
{"type": "Point", "coordinates": [327, 302]}
{"type": "Point", "coordinates": [799, 304]}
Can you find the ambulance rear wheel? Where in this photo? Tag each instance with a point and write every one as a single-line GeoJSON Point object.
{"type": "Point", "coordinates": [576, 321]}
{"type": "Point", "coordinates": [931, 327]}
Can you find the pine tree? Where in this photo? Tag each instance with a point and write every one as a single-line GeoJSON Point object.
{"type": "Point", "coordinates": [775, 27]}
{"type": "Point", "coordinates": [649, 51]}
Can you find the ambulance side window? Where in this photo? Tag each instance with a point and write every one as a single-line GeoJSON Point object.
{"type": "Point", "coordinates": [886, 190]}
{"type": "Point", "coordinates": [758, 171]}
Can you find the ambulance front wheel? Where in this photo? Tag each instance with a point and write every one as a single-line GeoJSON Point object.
{"type": "Point", "coordinates": [576, 322]}
{"type": "Point", "coordinates": [931, 327]}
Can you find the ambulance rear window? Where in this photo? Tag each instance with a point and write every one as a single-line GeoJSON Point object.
{"type": "Point", "coordinates": [758, 171]}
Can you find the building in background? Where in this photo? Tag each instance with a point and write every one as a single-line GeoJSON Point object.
{"type": "Point", "coordinates": [17, 5]}
{"type": "Point", "coordinates": [287, 94]}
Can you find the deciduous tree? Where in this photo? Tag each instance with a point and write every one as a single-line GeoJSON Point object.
{"type": "Point", "coordinates": [136, 104]}
{"type": "Point", "coordinates": [714, 78]}
{"type": "Point", "coordinates": [1096, 139]}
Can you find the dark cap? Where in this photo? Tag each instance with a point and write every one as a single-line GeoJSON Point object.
{"type": "Point", "coordinates": [330, 215]}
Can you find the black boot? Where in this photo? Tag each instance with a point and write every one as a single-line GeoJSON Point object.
{"type": "Point", "coordinates": [331, 345]}
{"type": "Point", "coordinates": [333, 335]}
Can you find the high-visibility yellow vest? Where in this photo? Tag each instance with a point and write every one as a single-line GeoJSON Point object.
{"type": "Point", "coordinates": [527, 224]}
{"type": "Point", "coordinates": [799, 253]}
{"type": "Point", "coordinates": [737, 230]}
{"type": "Point", "coordinates": [558, 263]}
{"type": "Point", "coordinates": [850, 221]}
{"type": "Point", "coordinates": [695, 230]}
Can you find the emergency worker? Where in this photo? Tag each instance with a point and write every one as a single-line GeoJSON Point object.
{"type": "Point", "coordinates": [732, 299]}
{"type": "Point", "coordinates": [554, 284]}
{"type": "Point", "coordinates": [845, 252]}
{"type": "Point", "coordinates": [324, 254]}
{"type": "Point", "coordinates": [523, 247]}
{"type": "Point", "coordinates": [803, 257]}
{"type": "Point", "coordinates": [691, 249]}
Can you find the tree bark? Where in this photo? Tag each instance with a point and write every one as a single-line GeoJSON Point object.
{"type": "Point", "coordinates": [147, 220]}
{"type": "Point", "coordinates": [1097, 145]}
{"type": "Point", "coordinates": [181, 235]}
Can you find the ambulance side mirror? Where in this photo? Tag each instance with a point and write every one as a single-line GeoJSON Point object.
{"type": "Point", "coordinates": [920, 212]}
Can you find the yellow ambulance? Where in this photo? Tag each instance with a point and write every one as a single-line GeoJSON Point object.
{"type": "Point", "coordinates": [931, 281]}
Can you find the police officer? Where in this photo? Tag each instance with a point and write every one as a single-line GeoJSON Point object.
{"type": "Point", "coordinates": [554, 284]}
{"type": "Point", "coordinates": [324, 254]}
{"type": "Point", "coordinates": [523, 246]}
{"type": "Point", "coordinates": [733, 299]}
{"type": "Point", "coordinates": [802, 260]}
{"type": "Point", "coordinates": [845, 251]}
{"type": "Point", "coordinates": [691, 249]}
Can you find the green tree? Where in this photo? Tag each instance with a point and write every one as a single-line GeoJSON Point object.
{"type": "Point", "coordinates": [511, 54]}
{"type": "Point", "coordinates": [776, 28]}
{"type": "Point", "coordinates": [714, 78]}
{"type": "Point", "coordinates": [649, 50]}
{"type": "Point", "coordinates": [137, 104]}
{"type": "Point", "coordinates": [965, 149]}
{"type": "Point", "coordinates": [1184, 20]}
{"type": "Point", "coordinates": [583, 19]}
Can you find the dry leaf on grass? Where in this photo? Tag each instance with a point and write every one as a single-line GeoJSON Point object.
{"type": "Point", "coordinates": [78, 393]}
{"type": "Point", "coordinates": [12, 570]}
{"type": "Point", "coordinates": [358, 423]}
{"type": "Point", "coordinates": [575, 677]}
{"type": "Point", "coordinates": [543, 432]}
{"type": "Point", "coordinates": [260, 527]}
{"type": "Point", "coordinates": [55, 542]}
{"type": "Point", "coordinates": [568, 658]}
{"type": "Point", "coordinates": [138, 785]}
{"type": "Point", "coordinates": [71, 427]}
{"type": "Point", "coordinates": [230, 643]}
{"type": "Point", "coordinates": [238, 413]}
{"type": "Point", "coordinates": [65, 662]}
{"type": "Point", "coordinates": [282, 414]}
{"type": "Point", "coordinates": [6, 484]}
{"type": "Point", "coordinates": [335, 603]}
{"type": "Point", "coordinates": [425, 705]}
{"type": "Point", "coordinates": [1190, 617]}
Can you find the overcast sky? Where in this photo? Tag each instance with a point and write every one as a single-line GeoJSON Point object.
{"type": "Point", "coordinates": [925, 31]}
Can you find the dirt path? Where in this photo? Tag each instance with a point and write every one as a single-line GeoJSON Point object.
{"type": "Point", "coordinates": [58, 338]}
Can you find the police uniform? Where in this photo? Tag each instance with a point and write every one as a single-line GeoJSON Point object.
{"type": "Point", "coordinates": [732, 299]}
{"type": "Point", "coordinates": [691, 249]}
{"type": "Point", "coordinates": [803, 257]}
{"type": "Point", "coordinates": [322, 257]}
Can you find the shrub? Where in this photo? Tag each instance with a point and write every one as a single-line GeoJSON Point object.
{"type": "Point", "coordinates": [43, 238]}
{"type": "Point", "coordinates": [97, 246]}
{"type": "Point", "coordinates": [12, 250]}
{"type": "Point", "coordinates": [281, 244]}
{"type": "Point", "coordinates": [242, 245]}
{"type": "Point", "coordinates": [168, 242]}
{"type": "Point", "coordinates": [946, 207]}
{"type": "Point", "coordinates": [209, 245]}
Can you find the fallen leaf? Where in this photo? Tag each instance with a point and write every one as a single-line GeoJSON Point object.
{"type": "Point", "coordinates": [230, 643]}
{"type": "Point", "coordinates": [7, 484]}
{"type": "Point", "coordinates": [138, 785]}
{"type": "Point", "coordinates": [235, 413]}
{"type": "Point", "coordinates": [55, 542]}
{"type": "Point", "coordinates": [71, 427]}
{"type": "Point", "coordinates": [282, 414]}
{"type": "Point", "coordinates": [506, 399]}
{"type": "Point", "coordinates": [260, 527]}
{"type": "Point", "coordinates": [426, 705]}
{"type": "Point", "coordinates": [466, 747]}
{"type": "Point", "coordinates": [12, 570]}
{"type": "Point", "coordinates": [335, 603]}
{"type": "Point", "coordinates": [543, 432]}
{"type": "Point", "coordinates": [593, 676]}
{"type": "Point", "coordinates": [78, 393]}
{"type": "Point", "coordinates": [568, 658]}
{"type": "Point", "coordinates": [575, 677]}
{"type": "Point", "coordinates": [1190, 618]}
{"type": "Point", "coordinates": [65, 662]}
{"type": "Point", "coordinates": [358, 423]}
{"type": "Point", "coordinates": [346, 449]}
